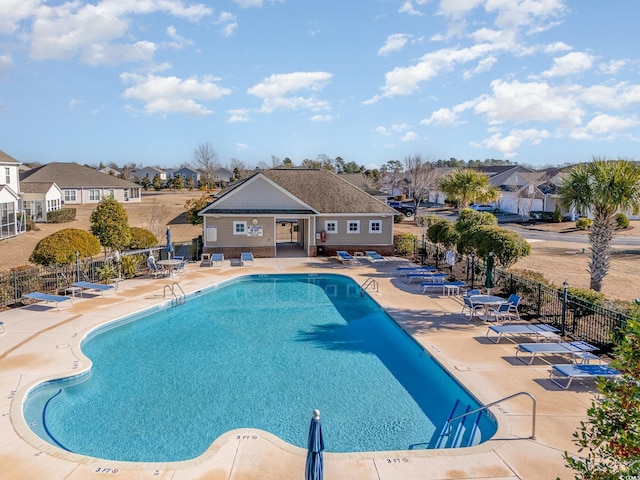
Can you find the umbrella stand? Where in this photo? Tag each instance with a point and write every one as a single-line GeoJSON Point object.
{"type": "Point", "coordinates": [314, 468]}
{"type": "Point", "coordinates": [488, 275]}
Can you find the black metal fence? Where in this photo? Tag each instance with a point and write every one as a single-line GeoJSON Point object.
{"type": "Point", "coordinates": [574, 316]}
{"type": "Point", "coordinates": [57, 278]}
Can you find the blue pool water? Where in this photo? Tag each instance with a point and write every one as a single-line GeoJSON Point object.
{"type": "Point", "coordinates": [259, 352]}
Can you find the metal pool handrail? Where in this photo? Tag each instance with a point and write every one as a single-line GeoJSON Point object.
{"type": "Point", "coordinates": [485, 407]}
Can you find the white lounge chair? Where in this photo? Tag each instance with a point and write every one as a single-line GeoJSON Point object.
{"type": "Point", "coordinates": [45, 297]}
{"type": "Point", "coordinates": [246, 258]}
{"type": "Point", "coordinates": [99, 287]}
{"type": "Point", "coordinates": [575, 349]}
{"type": "Point", "coordinates": [217, 259]}
{"type": "Point", "coordinates": [581, 371]}
{"type": "Point", "coordinates": [346, 257]}
{"type": "Point", "coordinates": [539, 331]}
{"type": "Point", "coordinates": [425, 276]}
{"type": "Point", "coordinates": [373, 256]}
{"type": "Point", "coordinates": [424, 286]}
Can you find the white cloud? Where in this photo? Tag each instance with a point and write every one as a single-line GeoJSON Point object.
{"type": "Point", "coordinates": [484, 65]}
{"type": "Point", "coordinates": [619, 96]}
{"type": "Point", "coordinates": [241, 147]}
{"type": "Point", "coordinates": [524, 12]}
{"type": "Point", "coordinates": [394, 43]}
{"type": "Point", "coordinates": [13, 11]}
{"type": "Point", "coordinates": [88, 30]}
{"type": "Point", "coordinates": [322, 118]}
{"type": "Point", "coordinates": [442, 117]}
{"type": "Point", "coordinates": [6, 65]}
{"type": "Point", "coordinates": [277, 91]}
{"type": "Point", "coordinates": [113, 54]}
{"type": "Point", "coordinates": [508, 145]}
{"type": "Point", "coordinates": [382, 131]}
{"type": "Point", "coordinates": [400, 127]}
{"type": "Point", "coordinates": [534, 101]}
{"type": "Point", "coordinates": [457, 8]}
{"type": "Point", "coordinates": [248, 3]}
{"type": "Point", "coordinates": [229, 23]}
{"type": "Point", "coordinates": [163, 95]}
{"type": "Point", "coordinates": [409, 136]}
{"type": "Point", "coordinates": [407, 7]}
{"type": "Point", "coordinates": [612, 67]}
{"type": "Point", "coordinates": [179, 42]}
{"type": "Point", "coordinates": [239, 115]}
{"type": "Point", "coordinates": [604, 125]}
{"type": "Point", "coordinates": [556, 47]}
{"type": "Point", "coordinates": [571, 63]}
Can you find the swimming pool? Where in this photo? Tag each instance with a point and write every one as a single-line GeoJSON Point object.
{"type": "Point", "coordinates": [255, 352]}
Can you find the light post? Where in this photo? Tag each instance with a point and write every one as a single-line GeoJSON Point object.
{"type": "Point", "coordinates": [77, 266]}
{"type": "Point", "coordinates": [565, 287]}
{"type": "Point", "coordinates": [473, 268]}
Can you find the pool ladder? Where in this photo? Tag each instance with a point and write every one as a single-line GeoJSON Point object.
{"type": "Point", "coordinates": [177, 299]}
{"type": "Point", "coordinates": [369, 283]}
{"type": "Point", "coordinates": [462, 436]}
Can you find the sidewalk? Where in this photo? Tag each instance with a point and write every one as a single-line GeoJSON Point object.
{"type": "Point", "coordinates": [42, 342]}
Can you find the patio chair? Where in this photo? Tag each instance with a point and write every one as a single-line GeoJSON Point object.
{"type": "Point", "coordinates": [179, 269]}
{"type": "Point", "coordinates": [539, 331]}
{"type": "Point", "coordinates": [577, 350]}
{"type": "Point", "coordinates": [217, 259]}
{"type": "Point", "coordinates": [3, 329]}
{"type": "Point", "coordinates": [581, 371]}
{"type": "Point", "coordinates": [471, 291]}
{"type": "Point", "coordinates": [469, 305]}
{"type": "Point", "coordinates": [155, 270]}
{"type": "Point", "coordinates": [501, 313]}
{"type": "Point", "coordinates": [513, 302]}
{"type": "Point", "coordinates": [99, 287]}
{"type": "Point", "coordinates": [374, 256]}
{"type": "Point", "coordinates": [346, 257]}
{"type": "Point", "coordinates": [45, 297]}
{"type": "Point", "coordinates": [246, 258]}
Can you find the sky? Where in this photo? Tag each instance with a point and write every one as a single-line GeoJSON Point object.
{"type": "Point", "coordinates": [538, 82]}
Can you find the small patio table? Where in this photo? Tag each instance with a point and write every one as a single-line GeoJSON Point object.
{"type": "Point", "coordinates": [487, 301]}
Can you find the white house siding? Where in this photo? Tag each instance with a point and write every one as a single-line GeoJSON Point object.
{"type": "Point", "coordinates": [269, 197]}
{"type": "Point", "coordinates": [10, 172]}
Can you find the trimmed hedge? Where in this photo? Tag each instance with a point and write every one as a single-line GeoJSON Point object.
{"type": "Point", "coordinates": [61, 247]}
{"type": "Point", "coordinates": [63, 215]}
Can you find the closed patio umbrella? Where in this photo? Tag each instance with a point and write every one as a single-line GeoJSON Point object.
{"type": "Point", "coordinates": [314, 469]}
{"type": "Point", "coordinates": [169, 244]}
{"type": "Point", "coordinates": [488, 274]}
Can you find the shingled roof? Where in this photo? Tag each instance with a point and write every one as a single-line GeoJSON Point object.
{"type": "Point", "coordinates": [72, 175]}
{"type": "Point", "coordinates": [4, 158]}
{"type": "Point", "coordinates": [35, 187]}
{"type": "Point", "coordinates": [322, 190]}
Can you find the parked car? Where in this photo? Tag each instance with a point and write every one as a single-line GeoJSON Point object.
{"type": "Point", "coordinates": [484, 207]}
{"type": "Point", "coordinates": [406, 209]}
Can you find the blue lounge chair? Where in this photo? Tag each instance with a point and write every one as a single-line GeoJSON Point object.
{"type": "Point", "coordinates": [404, 270]}
{"type": "Point", "coordinates": [99, 287]}
{"type": "Point", "coordinates": [424, 286]}
{"type": "Point", "coordinates": [217, 259]}
{"type": "Point", "coordinates": [538, 330]}
{"type": "Point", "coordinates": [373, 256]}
{"type": "Point", "coordinates": [45, 297]}
{"type": "Point", "coordinates": [346, 257]}
{"type": "Point", "coordinates": [580, 371]}
{"type": "Point", "coordinates": [3, 330]}
{"type": "Point", "coordinates": [246, 258]}
{"type": "Point", "coordinates": [575, 349]}
{"type": "Point", "coordinates": [426, 276]}
{"type": "Point", "coordinates": [469, 305]}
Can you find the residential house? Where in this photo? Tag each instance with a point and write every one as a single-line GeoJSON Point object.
{"type": "Point", "coordinates": [11, 222]}
{"type": "Point", "coordinates": [149, 172]}
{"type": "Point", "coordinates": [363, 183]}
{"type": "Point", "coordinates": [185, 173]}
{"type": "Point", "coordinates": [320, 212]}
{"type": "Point", "coordinates": [110, 171]}
{"type": "Point", "coordinates": [222, 176]}
{"type": "Point", "coordinates": [37, 199]}
{"type": "Point", "coordinates": [81, 184]}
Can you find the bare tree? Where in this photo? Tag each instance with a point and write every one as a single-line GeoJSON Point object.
{"type": "Point", "coordinates": [421, 177]}
{"type": "Point", "coordinates": [275, 161]}
{"type": "Point", "coordinates": [206, 160]}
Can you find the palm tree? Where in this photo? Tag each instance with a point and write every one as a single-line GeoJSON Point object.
{"type": "Point", "coordinates": [467, 186]}
{"type": "Point", "coordinates": [603, 188]}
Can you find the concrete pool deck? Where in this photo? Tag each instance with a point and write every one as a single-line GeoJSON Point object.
{"type": "Point", "coordinates": [42, 342]}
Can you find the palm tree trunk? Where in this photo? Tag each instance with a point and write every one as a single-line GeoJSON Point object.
{"type": "Point", "coordinates": [601, 237]}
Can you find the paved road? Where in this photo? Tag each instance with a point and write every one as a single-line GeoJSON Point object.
{"type": "Point", "coordinates": [532, 234]}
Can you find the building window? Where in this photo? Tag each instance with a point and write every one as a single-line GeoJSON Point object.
{"type": "Point", "coordinates": [331, 226]}
{"type": "Point", "coordinates": [69, 195]}
{"type": "Point", "coordinates": [7, 175]}
{"type": "Point", "coordinates": [375, 226]}
{"type": "Point", "coordinates": [94, 195]}
{"type": "Point", "coordinates": [112, 194]}
{"type": "Point", "coordinates": [239, 228]}
{"type": "Point", "coordinates": [353, 226]}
